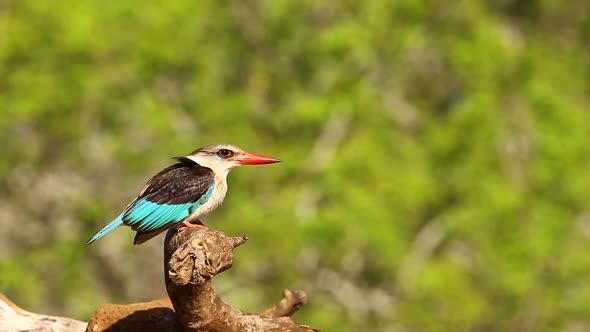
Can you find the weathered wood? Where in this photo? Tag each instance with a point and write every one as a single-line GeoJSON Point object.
{"type": "Point", "coordinates": [192, 258]}
{"type": "Point", "coordinates": [13, 318]}
{"type": "Point", "coordinates": [154, 316]}
{"type": "Point", "coordinates": [291, 302]}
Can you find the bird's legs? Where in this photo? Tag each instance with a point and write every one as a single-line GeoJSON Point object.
{"type": "Point", "coordinates": [187, 224]}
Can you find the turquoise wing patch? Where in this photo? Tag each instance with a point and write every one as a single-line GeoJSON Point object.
{"type": "Point", "coordinates": [146, 216]}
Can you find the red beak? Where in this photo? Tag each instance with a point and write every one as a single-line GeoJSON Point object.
{"type": "Point", "coordinates": [250, 158]}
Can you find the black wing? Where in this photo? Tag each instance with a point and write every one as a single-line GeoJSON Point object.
{"type": "Point", "coordinates": [183, 182]}
{"type": "Point", "coordinates": [168, 198]}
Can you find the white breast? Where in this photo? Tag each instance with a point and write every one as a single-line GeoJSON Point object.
{"type": "Point", "coordinates": [213, 202]}
{"type": "Point", "coordinates": [220, 170]}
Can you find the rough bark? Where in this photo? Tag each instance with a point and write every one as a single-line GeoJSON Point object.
{"type": "Point", "coordinates": [155, 315]}
{"type": "Point", "coordinates": [291, 302]}
{"type": "Point", "coordinates": [192, 258]}
{"type": "Point", "coordinates": [13, 318]}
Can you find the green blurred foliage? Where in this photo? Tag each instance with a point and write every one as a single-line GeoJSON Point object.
{"type": "Point", "coordinates": [436, 173]}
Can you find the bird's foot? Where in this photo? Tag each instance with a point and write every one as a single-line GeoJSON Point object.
{"type": "Point", "coordinates": [187, 225]}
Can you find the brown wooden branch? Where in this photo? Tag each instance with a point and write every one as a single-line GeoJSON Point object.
{"type": "Point", "coordinates": [150, 316]}
{"type": "Point", "coordinates": [291, 302]}
{"type": "Point", "coordinates": [192, 258]}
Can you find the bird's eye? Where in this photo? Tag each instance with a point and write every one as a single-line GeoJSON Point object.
{"type": "Point", "coordinates": [225, 153]}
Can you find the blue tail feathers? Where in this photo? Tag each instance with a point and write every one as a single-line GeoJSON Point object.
{"type": "Point", "coordinates": [109, 227]}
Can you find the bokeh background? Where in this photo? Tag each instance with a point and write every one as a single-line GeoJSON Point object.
{"type": "Point", "coordinates": [437, 155]}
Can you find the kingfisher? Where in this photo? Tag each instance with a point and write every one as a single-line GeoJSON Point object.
{"type": "Point", "coordinates": [184, 192]}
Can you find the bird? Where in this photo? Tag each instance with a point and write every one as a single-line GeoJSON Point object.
{"type": "Point", "coordinates": [182, 193]}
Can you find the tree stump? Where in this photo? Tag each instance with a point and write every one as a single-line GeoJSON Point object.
{"type": "Point", "coordinates": [191, 259]}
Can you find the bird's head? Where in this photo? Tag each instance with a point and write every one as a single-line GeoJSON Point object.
{"type": "Point", "coordinates": [225, 157]}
